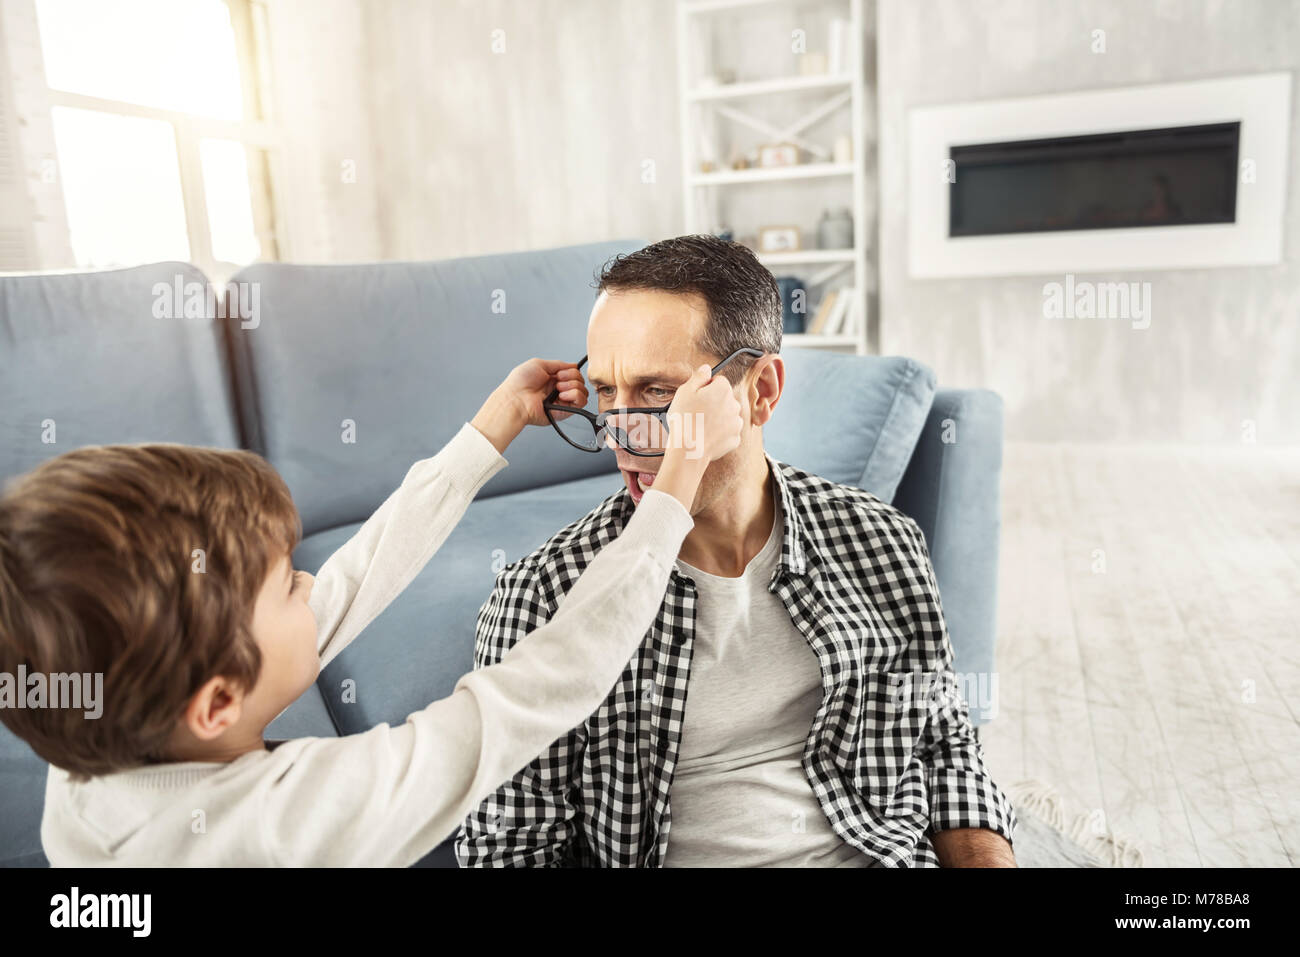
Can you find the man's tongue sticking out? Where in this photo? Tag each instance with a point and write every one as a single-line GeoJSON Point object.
{"type": "Point", "coordinates": [637, 482]}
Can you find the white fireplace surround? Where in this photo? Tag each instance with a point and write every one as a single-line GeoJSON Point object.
{"type": "Point", "coordinates": [1261, 102]}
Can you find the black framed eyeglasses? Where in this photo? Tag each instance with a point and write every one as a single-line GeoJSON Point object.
{"type": "Point", "coordinates": [641, 430]}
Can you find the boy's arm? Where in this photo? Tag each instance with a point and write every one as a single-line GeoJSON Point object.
{"type": "Point", "coordinates": [363, 576]}
{"type": "Point", "coordinates": [529, 820]}
{"type": "Point", "coordinates": [390, 795]}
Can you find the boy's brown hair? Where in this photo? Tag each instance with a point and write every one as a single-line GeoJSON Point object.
{"type": "Point", "coordinates": [100, 573]}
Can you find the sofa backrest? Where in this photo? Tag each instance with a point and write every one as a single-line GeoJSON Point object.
{"type": "Point", "coordinates": [108, 357]}
{"type": "Point", "coordinates": [350, 373]}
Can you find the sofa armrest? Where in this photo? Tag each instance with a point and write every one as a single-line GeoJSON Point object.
{"type": "Point", "coordinates": [952, 489]}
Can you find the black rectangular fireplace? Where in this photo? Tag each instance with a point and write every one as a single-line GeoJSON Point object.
{"type": "Point", "coordinates": [1183, 175]}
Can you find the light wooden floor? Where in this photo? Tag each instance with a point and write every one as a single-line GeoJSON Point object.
{"type": "Point", "coordinates": [1148, 657]}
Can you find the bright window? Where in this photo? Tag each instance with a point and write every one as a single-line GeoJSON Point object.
{"type": "Point", "coordinates": [163, 142]}
{"type": "Point", "coordinates": [229, 200]}
{"type": "Point", "coordinates": [122, 188]}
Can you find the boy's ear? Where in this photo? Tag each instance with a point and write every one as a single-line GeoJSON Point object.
{"type": "Point", "coordinates": [214, 708]}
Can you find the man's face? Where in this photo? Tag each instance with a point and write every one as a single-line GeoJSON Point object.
{"type": "Point", "coordinates": [642, 345]}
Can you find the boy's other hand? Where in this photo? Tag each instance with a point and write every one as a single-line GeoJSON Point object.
{"type": "Point", "coordinates": [529, 384]}
{"type": "Point", "coordinates": [712, 403]}
{"type": "Point", "coordinates": [517, 401]}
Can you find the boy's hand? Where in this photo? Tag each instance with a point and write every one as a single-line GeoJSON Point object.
{"type": "Point", "coordinates": [714, 410]}
{"type": "Point", "coordinates": [706, 415]}
{"type": "Point", "coordinates": [517, 401]}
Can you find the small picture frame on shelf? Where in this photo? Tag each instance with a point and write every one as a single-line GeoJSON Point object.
{"type": "Point", "coordinates": [779, 239]}
{"type": "Point", "coordinates": [778, 154]}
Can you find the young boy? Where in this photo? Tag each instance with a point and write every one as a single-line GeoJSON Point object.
{"type": "Point", "coordinates": [166, 569]}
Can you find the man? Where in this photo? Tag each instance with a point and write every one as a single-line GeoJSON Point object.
{"type": "Point", "coordinates": [823, 725]}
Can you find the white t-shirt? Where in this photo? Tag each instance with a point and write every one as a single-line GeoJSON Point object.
{"type": "Point", "coordinates": [740, 796]}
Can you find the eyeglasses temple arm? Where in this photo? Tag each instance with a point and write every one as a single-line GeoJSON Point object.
{"type": "Point", "coordinates": [757, 353]}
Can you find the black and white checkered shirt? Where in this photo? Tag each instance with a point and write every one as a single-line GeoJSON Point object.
{"type": "Point", "coordinates": [891, 754]}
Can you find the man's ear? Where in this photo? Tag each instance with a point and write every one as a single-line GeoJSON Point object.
{"type": "Point", "coordinates": [765, 392]}
{"type": "Point", "coordinates": [214, 708]}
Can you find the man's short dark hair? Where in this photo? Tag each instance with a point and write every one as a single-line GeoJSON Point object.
{"type": "Point", "coordinates": [744, 303]}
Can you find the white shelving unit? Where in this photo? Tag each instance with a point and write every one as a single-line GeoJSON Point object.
{"type": "Point", "coordinates": [775, 174]}
{"type": "Point", "coordinates": [808, 257]}
{"type": "Point", "coordinates": [792, 84]}
{"type": "Point", "coordinates": [704, 109]}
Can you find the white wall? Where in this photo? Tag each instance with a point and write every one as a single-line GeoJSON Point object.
{"type": "Point", "coordinates": [326, 182]}
{"type": "Point", "coordinates": [1223, 346]}
{"type": "Point", "coordinates": [543, 144]}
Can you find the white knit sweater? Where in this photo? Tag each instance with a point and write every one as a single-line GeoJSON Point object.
{"type": "Point", "coordinates": [389, 795]}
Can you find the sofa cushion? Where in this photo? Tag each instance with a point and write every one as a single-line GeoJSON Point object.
{"type": "Point", "coordinates": [850, 419]}
{"type": "Point", "coordinates": [86, 352]}
{"type": "Point", "coordinates": [407, 352]}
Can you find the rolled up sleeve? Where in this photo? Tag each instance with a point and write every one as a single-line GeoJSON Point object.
{"type": "Point", "coordinates": [962, 793]}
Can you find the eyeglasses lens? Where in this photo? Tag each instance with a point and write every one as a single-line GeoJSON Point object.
{"type": "Point", "coordinates": [638, 431]}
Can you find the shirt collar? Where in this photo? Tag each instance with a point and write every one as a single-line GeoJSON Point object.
{"type": "Point", "coordinates": [794, 556]}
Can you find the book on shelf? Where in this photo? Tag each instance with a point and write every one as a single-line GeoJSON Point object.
{"type": "Point", "coordinates": [835, 321]}
{"type": "Point", "coordinates": [824, 308]}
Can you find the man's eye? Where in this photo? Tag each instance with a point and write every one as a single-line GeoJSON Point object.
{"type": "Point", "coordinates": [608, 392]}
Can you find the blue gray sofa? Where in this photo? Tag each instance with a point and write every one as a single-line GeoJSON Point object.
{"type": "Point", "coordinates": [405, 352]}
